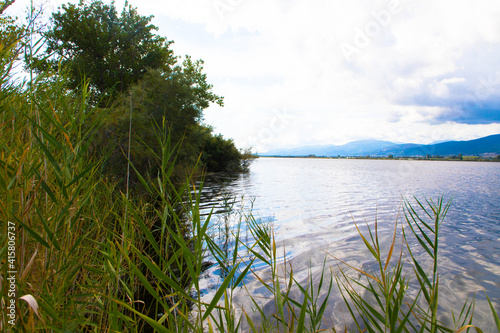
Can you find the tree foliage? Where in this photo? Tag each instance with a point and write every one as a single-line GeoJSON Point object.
{"type": "Point", "coordinates": [10, 41]}
{"type": "Point", "coordinates": [4, 5]}
{"type": "Point", "coordinates": [172, 101]}
{"type": "Point", "coordinates": [179, 96]}
{"type": "Point", "coordinates": [219, 154]}
{"type": "Point", "coordinates": [132, 69]}
{"type": "Point", "coordinates": [112, 50]}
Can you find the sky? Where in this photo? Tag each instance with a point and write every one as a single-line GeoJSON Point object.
{"type": "Point", "coordinates": [319, 72]}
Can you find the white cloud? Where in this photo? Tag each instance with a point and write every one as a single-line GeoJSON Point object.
{"type": "Point", "coordinates": [409, 62]}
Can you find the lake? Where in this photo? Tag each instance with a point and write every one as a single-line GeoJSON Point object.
{"type": "Point", "coordinates": [312, 204]}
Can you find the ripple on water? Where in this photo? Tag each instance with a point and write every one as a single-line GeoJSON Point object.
{"type": "Point", "coordinates": [314, 203]}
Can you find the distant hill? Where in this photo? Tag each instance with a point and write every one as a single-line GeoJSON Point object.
{"type": "Point", "coordinates": [489, 144]}
{"type": "Point", "coordinates": [354, 148]}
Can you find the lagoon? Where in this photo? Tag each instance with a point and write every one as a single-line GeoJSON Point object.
{"type": "Point", "coordinates": [313, 204]}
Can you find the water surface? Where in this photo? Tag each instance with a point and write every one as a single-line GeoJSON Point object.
{"type": "Point", "coordinates": [312, 204]}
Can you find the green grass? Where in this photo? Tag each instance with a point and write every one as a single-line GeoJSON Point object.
{"type": "Point", "coordinates": [95, 260]}
{"type": "Point", "coordinates": [90, 258]}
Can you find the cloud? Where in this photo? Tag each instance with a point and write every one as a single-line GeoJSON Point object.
{"type": "Point", "coordinates": [400, 70]}
{"type": "Point", "coordinates": [470, 95]}
{"type": "Point", "coordinates": [483, 115]}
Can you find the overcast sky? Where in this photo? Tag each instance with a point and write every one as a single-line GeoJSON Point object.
{"type": "Point", "coordinates": [303, 72]}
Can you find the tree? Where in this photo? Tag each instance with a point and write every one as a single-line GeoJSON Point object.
{"type": "Point", "coordinates": [122, 59]}
{"type": "Point", "coordinates": [10, 42]}
{"type": "Point", "coordinates": [220, 154]}
{"type": "Point", "coordinates": [174, 101]}
{"type": "Point", "coordinates": [4, 5]}
{"type": "Point", "coordinates": [112, 51]}
{"type": "Point", "coordinates": [179, 96]}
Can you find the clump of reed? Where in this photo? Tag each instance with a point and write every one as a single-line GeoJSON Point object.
{"type": "Point", "coordinates": [382, 300]}
{"type": "Point", "coordinates": [90, 258]}
{"type": "Point", "coordinates": [94, 259]}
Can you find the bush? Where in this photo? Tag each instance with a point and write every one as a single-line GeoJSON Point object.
{"type": "Point", "coordinates": [220, 154]}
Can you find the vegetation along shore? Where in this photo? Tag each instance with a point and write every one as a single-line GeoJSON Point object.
{"type": "Point", "coordinates": [101, 140]}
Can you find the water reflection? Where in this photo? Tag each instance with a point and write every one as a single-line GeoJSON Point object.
{"type": "Point", "coordinates": [312, 204]}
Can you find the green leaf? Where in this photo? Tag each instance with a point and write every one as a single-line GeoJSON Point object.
{"type": "Point", "coordinates": [159, 274]}
{"type": "Point", "coordinates": [494, 313]}
{"type": "Point", "coordinates": [302, 317]}
{"type": "Point", "coordinates": [224, 285]}
{"type": "Point", "coordinates": [38, 238]}
{"type": "Point", "coordinates": [243, 274]}
{"type": "Point", "coordinates": [49, 192]}
{"type": "Point", "coordinates": [157, 326]}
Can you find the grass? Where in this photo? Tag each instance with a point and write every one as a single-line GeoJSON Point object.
{"type": "Point", "coordinates": [90, 258]}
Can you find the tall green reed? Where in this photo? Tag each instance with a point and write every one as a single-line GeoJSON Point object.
{"type": "Point", "coordinates": [381, 302]}
{"type": "Point", "coordinates": [46, 185]}
{"type": "Point", "coordinates": [427, 235]}
{"type": "Point", "coordinates": [96, 260]}
{"type": "Point", "coordinates": [387, 308]}
{"type": "Point", "coordinates": [92, 269]}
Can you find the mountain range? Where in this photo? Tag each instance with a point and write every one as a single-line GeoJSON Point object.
{"type": "Point", "coordinates": [377, 148]}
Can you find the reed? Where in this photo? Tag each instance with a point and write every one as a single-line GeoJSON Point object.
{"type": "Point", "coordinates": [89, 266]}
{"type": "Point", "coordinates": [91, 258]}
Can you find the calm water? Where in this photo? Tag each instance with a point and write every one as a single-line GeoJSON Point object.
{"type": "Point", "coordinates": [313, 203]}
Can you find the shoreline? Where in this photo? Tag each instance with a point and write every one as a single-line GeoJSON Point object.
{"type": "Point", "coordinates": [402, 158]}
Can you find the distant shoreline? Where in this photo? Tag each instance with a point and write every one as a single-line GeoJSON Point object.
{"type": "Point", "coordinates": [401, 158]}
